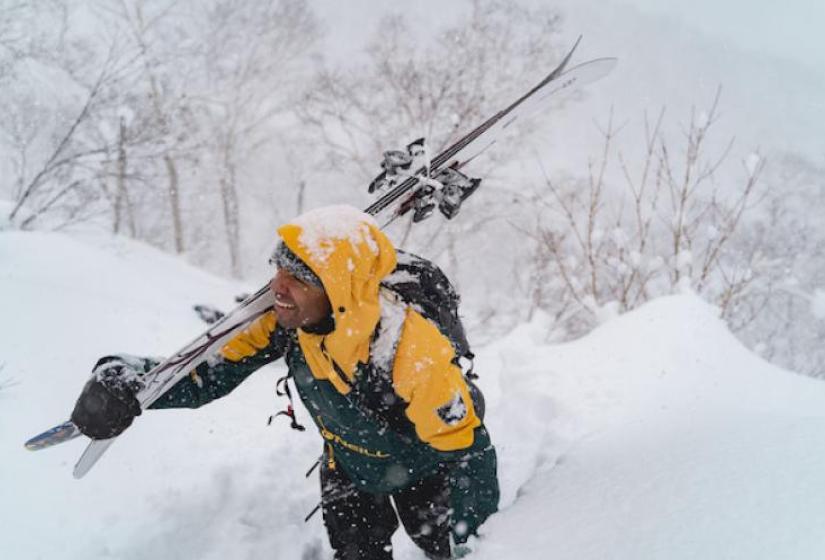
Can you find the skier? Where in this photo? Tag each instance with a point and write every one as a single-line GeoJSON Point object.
{"type": "Point", "coordinates": [400, 422]}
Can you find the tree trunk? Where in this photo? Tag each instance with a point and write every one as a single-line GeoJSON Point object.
{"type": "Point", "coordinates": [123, 203]}
{"type": "Point", "coordinates": [174, 203]}
{"type": "Point", "coordinates": [229, 197]}
{"type": "Point", "coordinates": [302, 187]}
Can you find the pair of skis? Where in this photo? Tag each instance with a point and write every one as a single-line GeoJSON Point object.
{"type": "Point", "coordinates": [401, 193]}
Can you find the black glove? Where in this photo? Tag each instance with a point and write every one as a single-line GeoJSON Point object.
{"type": "Point", "coordinates": [108, 405]}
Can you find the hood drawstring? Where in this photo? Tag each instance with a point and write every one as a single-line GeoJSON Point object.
{"type": "Point", "coordinates": [290, 410]}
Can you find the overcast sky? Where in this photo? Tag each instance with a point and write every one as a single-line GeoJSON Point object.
{"type": "Point", "coordinates": [789, 28]}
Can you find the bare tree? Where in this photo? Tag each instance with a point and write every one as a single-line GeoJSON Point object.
{"type": "Point", "coordinates": [124, 210]}
{"type": "Point", "coordinates": [185, 107]}
{"type": "Point", "coordinates": [47, 138]}
{"type": "Point", "coordinates": [64, 156]}
{"type": "Point", "coordinates": [251, 50]}
{"type": "Point", "coordinates": [669, 229]}
{"type": "Point", "coordinates": [779, 313]}
{"type": "Point", "coordinates": [149, 26]}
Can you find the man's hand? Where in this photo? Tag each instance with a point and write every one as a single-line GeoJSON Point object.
{"type": "Point", "coordinates": [108, 405]}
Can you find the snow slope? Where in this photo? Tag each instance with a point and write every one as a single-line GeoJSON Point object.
{"type": "Point", "coordinates": [665, 438]}
{"type": "Point", "coordinates": [657, 436]}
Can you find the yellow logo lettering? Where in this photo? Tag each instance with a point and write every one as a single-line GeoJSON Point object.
{"type": "Point", "coordinates": [329, 436]}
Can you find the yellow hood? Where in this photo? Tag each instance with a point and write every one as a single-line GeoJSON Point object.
{"type": "Point", "coordinates": [349, 253]}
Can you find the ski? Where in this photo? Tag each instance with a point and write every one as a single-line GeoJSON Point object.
{"type": "Point", "coordinates": [436, 181]}
{"type": "Point", "coordinates": [397, 201]}
{"type": "Point", "coordinates": [64, 432]}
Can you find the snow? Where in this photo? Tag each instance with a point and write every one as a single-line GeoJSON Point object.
{"type": "Point", "coordinates": [321, 225]}
{"type": "Point", "coordinates": [454, 411]}
{"type": "Point", "coordinates": [393, 315]}
{"type": "Point", "coordinates": [657, 435]}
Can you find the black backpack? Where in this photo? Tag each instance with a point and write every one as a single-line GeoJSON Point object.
{"type": "Point", "coordinates": [422, 285]}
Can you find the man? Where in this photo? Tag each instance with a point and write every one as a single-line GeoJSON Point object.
{"type": "Point", "coordinates": [380, 381]}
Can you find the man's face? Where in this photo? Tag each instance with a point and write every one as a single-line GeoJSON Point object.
{"type": "Point", "coordinates": [298, 304]}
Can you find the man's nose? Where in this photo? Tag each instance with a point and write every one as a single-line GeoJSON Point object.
{"type": "Point", "coordinates": [280, 282]}
{"type": "Point", "coordinates": [276, 285]}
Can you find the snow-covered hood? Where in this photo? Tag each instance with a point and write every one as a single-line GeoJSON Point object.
{"type": "Point", "coordinates": [349, 253]}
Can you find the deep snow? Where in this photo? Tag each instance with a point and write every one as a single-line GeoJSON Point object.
{"type": "Point", "coordinates": [656, 436]}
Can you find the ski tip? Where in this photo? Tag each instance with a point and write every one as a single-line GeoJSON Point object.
{"type": "Point", "coordinates": [608, 64]}
{"type": "Point", "coordinates": [593, 70]}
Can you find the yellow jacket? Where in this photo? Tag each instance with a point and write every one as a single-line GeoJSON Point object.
{"type": "Point", "coordinates": [351, 255]}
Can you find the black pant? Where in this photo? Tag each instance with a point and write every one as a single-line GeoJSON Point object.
{"type": "Point", "coordinates": [360, 524]}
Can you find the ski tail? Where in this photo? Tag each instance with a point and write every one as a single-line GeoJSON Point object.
{"type": "Point", "coordinates": [61, 433]}
{"type": "Point", "coordinates": [65, 432]}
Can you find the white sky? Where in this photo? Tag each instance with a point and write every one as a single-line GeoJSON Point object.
{"type": "Point", "coordinates": [790, 28]}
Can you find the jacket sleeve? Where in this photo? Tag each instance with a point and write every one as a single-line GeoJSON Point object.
{"type": "Point", "coordinates": [437, 396]}
{"type": "Point", "coordinates": [252, 348]}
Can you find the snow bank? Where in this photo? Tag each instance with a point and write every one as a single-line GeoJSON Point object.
{"type": "Point", "coordinates": [658, 436]}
